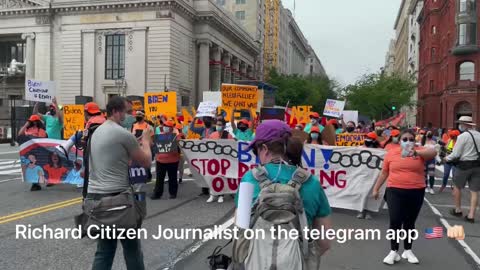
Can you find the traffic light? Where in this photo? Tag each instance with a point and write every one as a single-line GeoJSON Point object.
{"type": "Point", "coordinates": [394, 108]}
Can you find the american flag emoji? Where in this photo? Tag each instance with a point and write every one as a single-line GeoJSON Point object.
{"type": "Point", "coordinates": [435, 232]}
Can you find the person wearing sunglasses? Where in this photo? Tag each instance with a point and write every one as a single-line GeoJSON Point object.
{"type": "Point", "coordinates": [404, 168]}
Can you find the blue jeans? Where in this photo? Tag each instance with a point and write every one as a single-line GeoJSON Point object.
{"type": "Point", "coordinates": [446, 173]}
{"type": "Point", "coordinates": [132, 252]}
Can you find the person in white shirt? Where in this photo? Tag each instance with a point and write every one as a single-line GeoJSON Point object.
{"type": "Point", "coordinates": [466, 157]}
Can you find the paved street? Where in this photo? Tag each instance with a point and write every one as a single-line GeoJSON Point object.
{"type": "Point", "coordinates": [190, 211]}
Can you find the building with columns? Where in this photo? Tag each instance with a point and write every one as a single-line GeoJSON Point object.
{"type": "Point", "coordinates": [102, 48]}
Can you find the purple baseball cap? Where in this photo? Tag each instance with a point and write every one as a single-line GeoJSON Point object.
{"type": "Point", "coordinates": [270, 130]}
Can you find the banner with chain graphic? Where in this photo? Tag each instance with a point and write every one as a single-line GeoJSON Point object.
{"type": "Point", "coordinates": [347, 174]}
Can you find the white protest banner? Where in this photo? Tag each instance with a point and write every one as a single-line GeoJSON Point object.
{"type": "Point", "coordinates": [207, 108]}
{"type": "Point", "coordinates": [350, 116]}
{"type": "Point", "coordinates": [333, 108]}
{"type": "Point", "coordinates": [213, 96]}
{"type": "Point", "coordinates": [40, 91]}
{"type": "Point", "coordinates": [347, 174]}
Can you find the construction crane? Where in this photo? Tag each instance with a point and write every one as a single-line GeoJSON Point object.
{"type": "Point", "coordinates": [270, 48]}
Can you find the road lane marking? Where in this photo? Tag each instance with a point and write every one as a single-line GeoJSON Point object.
{"type": "Point", "coordinates": [8, 153]}
{"type": "Point", "coordinates": [199, 244]}
{"type": "Point", "coordinates": [11, 179]}
{"type": "Point", "coordinates": [39, 210]}
{"type": "Point", "coordinates": [462, 243]}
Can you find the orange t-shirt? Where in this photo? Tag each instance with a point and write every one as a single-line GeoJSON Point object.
{"type": "Point", "coordinates": [36, 132]}
{"type": "Point", "coordinates": [217, 136]}
{"type": "Point", "coordinates": [391, 146]}
{"type": "Point", "coordinates": [405, 173]}
{"type": "Point", "coordinates": [54, 174]}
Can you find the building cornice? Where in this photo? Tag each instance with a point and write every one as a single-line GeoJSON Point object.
{"type": "Point", "coordinates": [399, 14]}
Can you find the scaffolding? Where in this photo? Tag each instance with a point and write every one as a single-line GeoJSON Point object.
{"type": "Point", "coordinates": [272, 23]}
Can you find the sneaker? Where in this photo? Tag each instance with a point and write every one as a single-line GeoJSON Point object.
{"type": "Point", "coordinates": [408, 255]}
{"type": "Point", "coordinates": [220, 199]}
{"type": "Point", "coordinates": [360, 215]}
{"type": "Point", "coordinates": [392, 258]}
{"type": "Point", "coordinates": [368, 217]}
{"type": "Point", "coordinates": [432, 192]}
{"type": "Point", "coordinates": [454, 212]}
{"type": "Point", "coordinates": [211, 199]}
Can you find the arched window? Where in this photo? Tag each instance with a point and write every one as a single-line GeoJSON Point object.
{"type": "Point", "coordinates": [466, 71]}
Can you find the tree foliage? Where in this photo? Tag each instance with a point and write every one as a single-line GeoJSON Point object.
{"type": "Point", "coordinates": [375, 94]}
{"type": "Point", "coordinates": [300, 90]}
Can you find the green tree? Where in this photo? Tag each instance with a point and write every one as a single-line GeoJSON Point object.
{"type": "Point", "coordinates": [300, 90]}
{"type": "Point", "coordinates": [378, 96]}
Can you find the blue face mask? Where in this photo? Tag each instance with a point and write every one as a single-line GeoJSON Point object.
{"type": "Point", "coordinates": [462, 128]}
{"type": "Point", "coordinates": [406, 145]}
{"type": "Point", "coordinates": [219, 128]}
{"type": "Point", "coordinates": [314, 136]}
{"type": "Point", "coordinates": [166, 129]}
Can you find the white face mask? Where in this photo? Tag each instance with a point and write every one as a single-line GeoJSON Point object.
{"type": "Point", "coordinates": [166, 129]}
{"type": "Point", "coordinates": [462, 128]}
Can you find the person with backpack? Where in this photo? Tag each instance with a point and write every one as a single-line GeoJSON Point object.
{"type": "Point", "coordinates": [466, 157]}
{"type": "Point", "coordinates": [303, 203]}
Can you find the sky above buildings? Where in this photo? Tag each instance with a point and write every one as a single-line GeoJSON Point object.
{"type": "Point", "coordinates": [350, 37]}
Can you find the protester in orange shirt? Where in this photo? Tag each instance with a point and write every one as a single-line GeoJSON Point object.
{"type": "Point", "coordinates": [405, 170]}
{"type": "Point", "coordinates": [33, 127]}
{"type": "Point", "coordinates": [393, 141]}
{"type": "Point", "coordinates": [167, 162]}
{"type": "Point", "coordinates": [220, 132]}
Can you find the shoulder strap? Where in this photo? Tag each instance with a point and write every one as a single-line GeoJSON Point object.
{"type": "Point", "coordinates": [474, 143]}
{"type": "Point", "coordinates": [299, 177]}
{"type": "Point", "coordinates": [86, 160]}
{"type": "Point", "coordinates": [260, 174]}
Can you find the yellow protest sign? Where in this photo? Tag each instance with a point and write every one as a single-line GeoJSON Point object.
{"type": "Point", "coordinates": [350, 139]}
{"type": "Point", "coordinates": [73, 120]}
{"type": "Point", "coordinates": [137, 105]}
{"type": "Point", "coordinates": [187, 117]}
{"type": "Point", "coordinates": [227, 112]}
{"type": "Point", "coordinates": [239, 96]}
{"type": "Point", "coordinates": [192, 135]}
{"type": "Point", "coordinates": [302, 113]}
{"type": "Point", "coordinates": [160, 103]}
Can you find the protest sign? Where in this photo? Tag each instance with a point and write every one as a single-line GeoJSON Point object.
{"type": "Point", "coordinates": [160, 103]}
{"type": "Point", "coordinates": [40, 91]}
{"type": "Point", "coordinates": [187, 117]}
{"type": "Point", "coordinates": [207, 109]}
{"type": "Point", "coordinates": [73, 120]}
{"type": "Point", "coordinates": [350, 139]}
{"type": "Point", "coordinates": [239, 96]}
{"type": "Point", "coordinates": [347, 174]}
{"type": "Point", "coordinates": [225, 112]}
{"type": "Point", "coordinates": [42, 163]}
{"type": "Point", "coordinates": [213, 96]}
{"type": "Point", "coordinates": [166, 143]}
{"type": "Point", "coordinates": [272, 113]}
{"type": "Point", "coordinates": [350, 116]}
{"type": "Point", "coordinates": [137, 105]}
{"type": "Point", "coordinates": [301, 113]}
{"type": "Point", "coordinates": [334, 108]}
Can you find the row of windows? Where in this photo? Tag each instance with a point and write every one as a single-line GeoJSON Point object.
{"type": "Point", "coordinates": [466, 72]}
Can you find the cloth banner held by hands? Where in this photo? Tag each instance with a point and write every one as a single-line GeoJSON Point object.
{"type": "Point", "coordinates": [347, 174]}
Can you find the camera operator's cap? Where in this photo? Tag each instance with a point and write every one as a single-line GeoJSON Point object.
{"type": "Point", "coordinates": [92, 108]}
{"type": "Point", "coordinates": [271, 130]}
{"type": "Point", "coordinates": [314, 115]}
{"type": "Point", "coordinates": [34, 118]}
{"type": "Point", "coordinates": [169, 123]}
{"type": "Point", "coordinates": [467, 120]}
